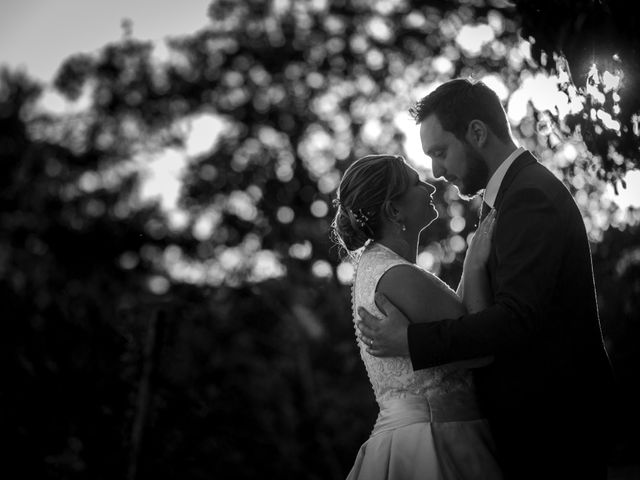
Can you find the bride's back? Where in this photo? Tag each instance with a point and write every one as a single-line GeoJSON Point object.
{"type": "Point", "coordinates": [394, 377]}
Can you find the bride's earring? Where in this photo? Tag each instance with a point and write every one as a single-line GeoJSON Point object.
{"type": "Point", "coordinates": [404, 227]}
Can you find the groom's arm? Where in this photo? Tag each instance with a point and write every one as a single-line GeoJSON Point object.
{"type": "Point", "coordinates": [529, 249]}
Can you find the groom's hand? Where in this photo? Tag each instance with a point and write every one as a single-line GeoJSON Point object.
{"type": "Point", "coordinates": [386, 336]}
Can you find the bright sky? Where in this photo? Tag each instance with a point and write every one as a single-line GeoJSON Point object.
{"type": "Point", "coordinates": [40, 34]}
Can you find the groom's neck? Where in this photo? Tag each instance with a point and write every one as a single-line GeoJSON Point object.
{"type": "Point", "coordinates": [496, 153]}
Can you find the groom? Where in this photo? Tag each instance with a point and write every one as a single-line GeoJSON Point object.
{"type": "Point", "coordinates": [546, 394]}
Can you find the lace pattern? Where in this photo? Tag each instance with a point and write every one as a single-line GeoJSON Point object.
{"type": "Point", "coordinates": [393, 377]}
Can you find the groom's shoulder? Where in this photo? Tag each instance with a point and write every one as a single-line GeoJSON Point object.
{"type": "Point", "coordinates": [536, 181]}
{"type": "Point", "coordinates": [537, 176]}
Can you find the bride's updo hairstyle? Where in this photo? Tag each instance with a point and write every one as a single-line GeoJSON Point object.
{"type": "Point", "coordinates": [366, 189]}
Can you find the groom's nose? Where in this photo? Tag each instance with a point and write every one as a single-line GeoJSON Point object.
{"type": "Point", "coordinates": [438, 171]}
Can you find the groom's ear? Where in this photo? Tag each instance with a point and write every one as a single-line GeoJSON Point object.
{"type": "Point", "coordinates": [477, 132]}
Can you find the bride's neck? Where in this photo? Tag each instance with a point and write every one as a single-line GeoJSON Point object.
{"type": "Point", "coordinates": [404, 247]}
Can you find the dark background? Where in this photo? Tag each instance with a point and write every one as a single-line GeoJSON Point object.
{"type": "Point", "coordinates": [215, 340]}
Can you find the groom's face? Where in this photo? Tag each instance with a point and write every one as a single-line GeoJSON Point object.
{"type": "Point", "coordinates": [454, 159]}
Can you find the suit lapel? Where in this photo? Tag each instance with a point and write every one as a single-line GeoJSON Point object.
{"type": "Point", "coordinates": [518, 164]}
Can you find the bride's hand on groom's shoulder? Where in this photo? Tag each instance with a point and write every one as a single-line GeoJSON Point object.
{"type": "Point", "coordinates": [386, 336]}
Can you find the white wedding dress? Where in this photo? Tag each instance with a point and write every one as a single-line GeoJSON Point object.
{"type": "Point", "coordinates": [429, 426]}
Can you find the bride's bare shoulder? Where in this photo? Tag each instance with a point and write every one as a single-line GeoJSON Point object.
{"type": "Point", "coordinates": [420, 295]}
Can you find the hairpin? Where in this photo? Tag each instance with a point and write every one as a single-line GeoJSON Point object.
{"type": "Point", "coordinates": [361, 217]}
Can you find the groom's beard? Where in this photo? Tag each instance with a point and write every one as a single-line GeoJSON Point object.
{"type": "Point", "coordinates": [477, 174]}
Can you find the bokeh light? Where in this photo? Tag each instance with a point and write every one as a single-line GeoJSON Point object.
{"type": "Point", "coordinates": [301, 251]}
{"type": "Point", "coordinates": [322, 269]}
{"type": "Point", "coordinates": [285, 215]}
{"type": "Point", "coordinates": [319, 208]}
{"type": "Point", "coordinates": [345, 272]}
{"type": "Point", "coordinates": [159, 285]}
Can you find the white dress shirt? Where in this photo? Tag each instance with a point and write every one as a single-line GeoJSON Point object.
{"type": "Point", "coordinates": [491, 192]}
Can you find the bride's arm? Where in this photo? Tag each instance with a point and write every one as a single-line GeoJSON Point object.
{"type": "Point", "coordinates": [420, 296]}
{"type": "Point", "coordinates": [423, 297]}
{"type": "Point", "coordinates": [475, 286]}
{"type": "Point", "coordinates": [476, 290]}
{"type": "Point", "coordinates": [477, 295]}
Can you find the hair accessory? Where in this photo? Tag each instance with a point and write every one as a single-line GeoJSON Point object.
{"type": "Point", "coordinates": [336, 202]}
{"type": "Point", "coordinates": [361, 217]}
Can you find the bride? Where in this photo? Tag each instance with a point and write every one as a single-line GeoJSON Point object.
{"type": "Point", "coordinates": [429, 425]}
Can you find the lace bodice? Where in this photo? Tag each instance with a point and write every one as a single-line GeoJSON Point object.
{"type": "Point", "coordinates": [393, 377]}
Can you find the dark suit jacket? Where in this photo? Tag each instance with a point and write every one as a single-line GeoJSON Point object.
{"type": "Point", "coordinates": [546, 391]}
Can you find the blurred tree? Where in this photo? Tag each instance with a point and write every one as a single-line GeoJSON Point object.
{"type": "Point", "coordinates": [70, 261]}
{"type": "Point", "coordinates": [214, 337]}
{"type": "Point", "coordinates": [595, 47]}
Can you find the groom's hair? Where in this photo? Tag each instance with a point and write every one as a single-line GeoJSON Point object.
{"type": "Point", "coordinates": [457, 102]}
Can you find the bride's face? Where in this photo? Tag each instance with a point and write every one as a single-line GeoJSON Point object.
{"type": "Point", "coordinates": [417, 203]}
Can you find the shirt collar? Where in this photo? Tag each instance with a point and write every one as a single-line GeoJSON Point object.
{"type": "Point", "coordinates": [491, 192]}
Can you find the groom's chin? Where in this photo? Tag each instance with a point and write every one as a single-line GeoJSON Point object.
{"type": "Point", "coordinates": [467, 194]}
{"type": "Point", "coordinates": [468, 197]}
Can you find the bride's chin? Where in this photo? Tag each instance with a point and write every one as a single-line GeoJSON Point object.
{"type": "Point", "coordinates": [429, 221]}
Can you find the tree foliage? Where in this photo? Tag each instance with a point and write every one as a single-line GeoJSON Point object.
{"type": "Point", "coordinates": [595, 45]}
